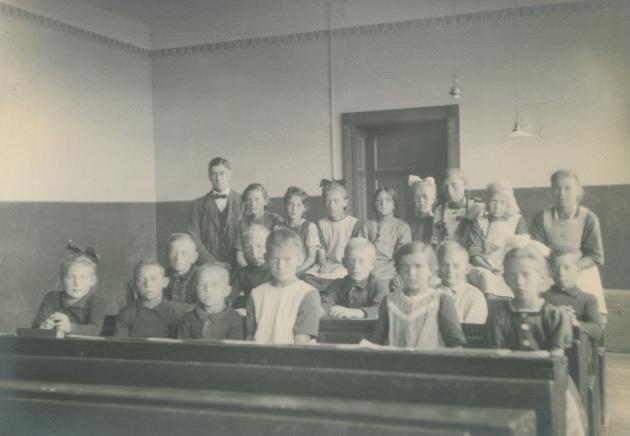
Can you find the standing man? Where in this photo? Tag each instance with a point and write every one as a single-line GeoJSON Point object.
{"type": "Point", "coordinates": [213, 219]}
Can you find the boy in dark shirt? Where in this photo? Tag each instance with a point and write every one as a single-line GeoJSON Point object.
{"type": "Point", "coordinates": [581, 307]}
{"type": "Point", "coordinates": [359, 294]}
{"type": "Point", "coordinates": [182, 273]}
{"type": "Point", "coordinates": [256, 272]}
{"type": "Point", "coordinates": [150, 315]}
{"type": "Point", "coordinates": [212, 318]}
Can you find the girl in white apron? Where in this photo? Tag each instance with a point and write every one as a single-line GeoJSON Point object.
{"type": "Point", "coordinates": [454, 217]}
{"type": "Point", "coordinates": [571, 226]}
{"type": "Point", "coordinates": [489, 237]}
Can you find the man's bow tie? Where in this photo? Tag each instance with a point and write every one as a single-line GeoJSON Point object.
{"type": "Point", "coordinates": [218, 196]}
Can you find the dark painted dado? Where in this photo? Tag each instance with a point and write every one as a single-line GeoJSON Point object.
{"type": "Point", "coordinates": [32, 244]}
{"type": "Point", "coordinates": [33, 237]}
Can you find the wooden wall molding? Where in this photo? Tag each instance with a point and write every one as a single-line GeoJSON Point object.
{"type": "Point", "coordinates": [568, 8]}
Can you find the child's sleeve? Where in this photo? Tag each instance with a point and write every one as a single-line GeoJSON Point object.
{"type": "Point", "coordinates": [46, 308]}
{"type": "Point", "coordinates": [95, 317]}
{"type": "Point", "coordinates": [236, 285]}
{"type": "Point", "coordinates": [185, 329]}
{"type": "Point", "coordinates": [591, 321]}
{"type": "Point", "coordinates": [494, 332]}
{"type": "Point", "coordinates": [312, 236]}
{"type": "Point", "coordinates": [477, 313]}
{"type": "Point", "coordinates": [250, 318]}
{"type": "Point", "coordinates": [307, 320]}
{"type": "Point", "coordinates": [123, 324]}
{"type": "Point", "coordinates": [475, 240]}
{"type": "Point", "coordinates": [591, 243]}
{"type": "Point", "coordinates": [329, 296]}
{"type": "Point", "coordinates": [381, 330]}
{"type": "Point", "coordinates": [381, 289]}
{"type": "Point", "coordinates": [558, 329]}
{"type": "Point", "coordinates": [450, 328]}
{"type": "Point", "coordinates": [537, 229]}
{"type": "Point", "coordinates": [405, 236]}
{"type": "Point", "coordinates": [237, 328]}
{"type": "Point", "coordinates": [177, 318]}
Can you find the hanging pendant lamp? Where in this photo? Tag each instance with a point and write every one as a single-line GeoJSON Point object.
{"type": "Point", "coordinates": [455, 91]}
{"type": "Point", "coordinates": [517, 130]}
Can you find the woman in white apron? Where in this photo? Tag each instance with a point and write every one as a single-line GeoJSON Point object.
{"type": "Point", "coordinates": [569, 225]}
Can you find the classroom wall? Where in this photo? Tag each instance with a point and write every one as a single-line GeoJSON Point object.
{"type": "Point", "coordinates": [76, 159]}
{"type": "Point", "coordinates": [264, 103]}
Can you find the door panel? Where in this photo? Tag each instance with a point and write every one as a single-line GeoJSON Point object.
{"type": "Point", "coordinates": [382, 148]}
{"type": "Point", "coordinates": [395, 151]}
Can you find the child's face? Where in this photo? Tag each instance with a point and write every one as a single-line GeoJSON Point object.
{"type": "Point", "coordinates": [78, 280]}
{"type": "Point", "coordinates": [565, 193]}
{"type": "Point", "coordinates": [415, 272]}
{"type": "Point", "coordinates": [213, 287]}
{"type": "Point", "coordinates": [336, 203]}
{"type": "Point", "coordinates": [524, 277]}
{"type": "Point", "coordinates": [182, 254]}
{"type": "Point", "coordinates": [565, 270]}
{"type": "Point", "coordinates": [150, 282]}
{"type": "Point", "coordinates": [384, 204]}
{"type": "Point", "coordinates": [454, 189]}
{"type": "Point", "coordinates": [221, 178]}
{"type": "Point", "coordinates": [359, 263]}
{"type": "Point", "coordinates": [497, 205]}
{"type": "Point", "coordinates": [284, 261]}
{"type": "Point", "coordinates": [453, 268]}
{"type": "Point", "coordinates": [255, 203]}
{"type": "Point", "coordinates": [423, 199]}
{"type": "Point", "coordinates": [295, 208]}
{"type": "Point", "coordinates": [254, 250]}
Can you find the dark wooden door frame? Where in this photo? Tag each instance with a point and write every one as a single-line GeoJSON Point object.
{"type": "Point", "coordinates": [354, 127]}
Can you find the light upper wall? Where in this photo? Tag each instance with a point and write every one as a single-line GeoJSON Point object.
{"type": "Point", "coordinates": [75, 115]}
{"type": "Point", "coordinates": [264, 105]}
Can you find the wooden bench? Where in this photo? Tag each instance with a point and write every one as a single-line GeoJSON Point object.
{"type": "Point", "coordinates": [133, 410]}
{"type": "Point", "coordinates": [484, 378]}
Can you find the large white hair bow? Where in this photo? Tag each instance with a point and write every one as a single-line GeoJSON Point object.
{"type": "Point", "coordinates": [415, 179]}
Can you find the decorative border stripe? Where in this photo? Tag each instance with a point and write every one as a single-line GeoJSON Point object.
{"type": "Point", "coordinates": [20, 14]}
{"type": "Point", "coordinates": [568, 8]}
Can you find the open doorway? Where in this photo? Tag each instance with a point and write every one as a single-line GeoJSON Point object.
{"type": "Point", "coordinates": [382, 148]}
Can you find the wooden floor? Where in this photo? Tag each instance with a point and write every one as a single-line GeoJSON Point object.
{"type": "Point", "coordinates": [619, 393]}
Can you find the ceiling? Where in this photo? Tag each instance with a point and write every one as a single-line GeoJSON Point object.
{"type": "Point", "coordinates": [160, 24]}
{"type": "Point", "coordinates": [180, 22]}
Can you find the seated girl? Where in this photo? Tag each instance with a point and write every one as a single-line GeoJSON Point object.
{"type": "Point", "coordinates": [296, 204]}
{"type": "Point", "coordinates": [489, 238]}
{"type": "Point", "coordinates": [423, 194]}
{"type": "Point", "coordinates": [418, 316]}
{"type": "Point", "coordinates": [76, 309]}
{"type": "Point", "coordinates": [335, 231]}
{"type": "Point", "coordinates": [455, 216]}
{"type": "Point", "coordinates": [386, 232]}
{"type": "Point", "coordinates": [256, 202]}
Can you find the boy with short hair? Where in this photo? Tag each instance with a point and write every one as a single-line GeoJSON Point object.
{"type": "Point", "coordinates": [581, 307]}
{"type": "Point", "coordinates": [453, 269]}
{"type": "Point", "coordinates": [150, 315]}
{"type": "Point", "coordinates": [213, 220]}
{"type": "Point", "coordinates": [212, 318]}
{"type": "Point", "coordinates": [286, 310]}
{"type": "Point", "coordinates": [182, 273]}
{"type": "Point", "coordinates": [359, 294]}
{"type": "Point", "coordinates": [256, 272]}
